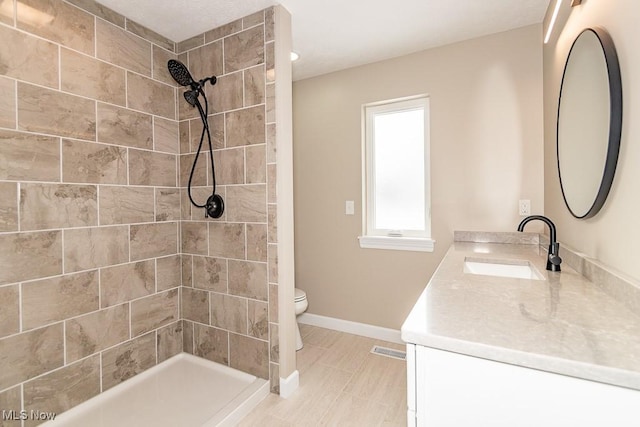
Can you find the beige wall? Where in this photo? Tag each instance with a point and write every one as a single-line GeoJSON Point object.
{"type": "Point", "coordinates": [612, 235]}
{"type": "Point", "coordinates": [486, 154]}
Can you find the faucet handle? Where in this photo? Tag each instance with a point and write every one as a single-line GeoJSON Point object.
{"type": "Point", "coordinates": [554, 260]}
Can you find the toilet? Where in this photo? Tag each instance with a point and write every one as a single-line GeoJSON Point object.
{"type": "Point", "coordinates": [301, 305]}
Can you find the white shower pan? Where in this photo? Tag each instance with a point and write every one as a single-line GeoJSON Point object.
{"type": "Point", "coordinates": [182, 391]}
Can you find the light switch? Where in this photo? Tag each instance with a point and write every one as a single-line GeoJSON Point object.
{"type": "Point", "coordinates": [349, 207]}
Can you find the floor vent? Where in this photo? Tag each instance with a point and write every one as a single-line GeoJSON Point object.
{"type": "Point", "coordinates": [389, 352]}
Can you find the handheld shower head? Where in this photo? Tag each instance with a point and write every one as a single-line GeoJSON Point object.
{"type": "Point", "coordinates": [180, 73]}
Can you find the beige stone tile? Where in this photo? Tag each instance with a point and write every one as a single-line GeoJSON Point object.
{"type": "Point", "coordinates": [6, 17]}
{"type": "Point", "coordinates": [319, 337]}
{"type": "Point", "coordinates": [154, 240]}
{"type": "Point", "coordinates": [248, 279]}
{"type": "Point", "coordinates": [253, 19]}
{"type": "Point", "coordinates": [187, 336]}
{"type": "Point", "coordinates": [46, 206]}
{"type": "Point", "coordinates": [151, 96]}
{"type": "Point", "coordinates": [8, 206]}
{"type": "Point", "coordinates": [206, 61]}
{"type": "Point", "coordinates": [273, 303]}
{"type": "Point", "coordinates": [194, 237]}
{"type": "Point", "coordinates": [126, 282]}
{"type": "Point", "coordinates": [26, 256]}
{"type": "Point", "coordinates": [167, 204]}
{"type": "Point", "coordinates": [69, 25]}
{"type": "Point", "coordinates": [274, 343]}
{"type": "Point", "coordinates": [257, 242]}
{"type": "Point", "coordinates": [244, 49]}
{"type": "Point", "coordinates": [227, 240]}
{"type": "Point", "coordinates": [119, 47]}
{"type": "Point", "coordinates": [200, 173]}
{"type": "Point", "coordinates": [93, 332]}
{"type": "Point", "coordinates": [348, 352]}
{"type": "Point", "coordinates": [63, 389]}
{"type": "Point", "coordinates": [52, 300]}
{"type": "Point", "coordinates": [93, 163]}
{"type": "Point", "coordinates": [86, 76]}
{"type": "Point", "coordinates": [169, 341]}
{"type": "Point", "coordinates": [190, 43]}
{"type": "Point", "coordinates": [160, 70]}
{"type": "Point", "coordinates": [216, 129]}
{"type": "Point", "coordinates": [211, 343]}
{"type": "Point", "coordinates": [308, 356]}
{"type": "Point", "coordinates": [272, 221]}
{"type": "Point", "coordinates": [9, 310]}
{"type": "Point", "coordinates": [185, 137]}
{"type": "Point", "coordinates": [150, 168]}
{"type": "Point", "coordinates": [271, 103]}
{"type": "Point", "coordinates": [52, 112]}
{"type": "Point", "coordinates": [168, 272]}
{"type": "Point", "coordinates": [249, 355]}
{"type": "Point", "coordinates": [186, 269]}
{"type": "Point", "coordinates": [229, 312]}
{"type": "Point", "coordinates": [210, 273]}
{"type": "Point", "coordinates": [124, 127]}
{"type": "Point", "coordinates": [28, 58]}
{"type": "Point", "coordinates": [30, 354]}
{"type": "Point", "coordinates": [348, 410]}
{"type": "Point", "coordinates": [11, 400]}
{"type": "Point", "coordinates": [271, 143]}
{"type": "Point", "coordinates": [127, 360]}
{"type": "Point", "coordinates": [29, 157]}
{"type": "Point", "coordinates": [256, 159]}
{"type": "Point", "coordinates": [7, 103]}
{"type": "Point", "coordinates": [254, 85]}
{"type": "Point", "coordinates": [166, 135]}
{"type": "Point", "coordinates": [258, 325]}
{"type": "Point", "coordinates": [125, 205]}
{"type": "Point", "coordinates": [269, 24]}
{"type": "Point", "coordinates": [271, 184]}
{"type": "Point", "coordinates": [246, 126]}
{"type": "Point", "coordinates": [229, 166]}
{"type": "Point", "coordinates": [246, 203]}
{"type": "Point", "coordinates": [223, 31]}
{"type": "Point", "coordinates": [195, 305]}
{"type": "Point", "coordinates": [154, 311]}
{"type": "Point", "coordinates": [86, 248]}
{"type": "Point", "coordinates": [272, 263]}
{"type": "Point", "coordinates": [226, 94]}
{"type": "Point", "coordinates": [274, 378]}
{"type": "Point", "coordinates": [270, 61]}
{"type": "Point", "coordinates": [150, 35]}
{"type": "Point", "coordinates": [100, 11]}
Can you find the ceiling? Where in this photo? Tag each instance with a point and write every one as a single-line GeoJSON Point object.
{"type": "Point", "coordinates": [331, 35]}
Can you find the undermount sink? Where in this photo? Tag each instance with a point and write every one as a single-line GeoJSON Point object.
{"type": "Point", "coordinates": [517, 269]}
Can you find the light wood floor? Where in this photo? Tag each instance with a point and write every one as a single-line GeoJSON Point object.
{"type": "Point", "coordinates": [341, 384]}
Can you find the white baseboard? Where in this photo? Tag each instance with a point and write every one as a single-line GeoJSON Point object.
{"type": "Point", "coordinates": [289, 385]}
{"type": "Point", "coordinates": [355, 328]}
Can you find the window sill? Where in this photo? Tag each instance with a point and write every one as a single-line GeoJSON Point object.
{"type": "Point", "coordinates": [419, 244]}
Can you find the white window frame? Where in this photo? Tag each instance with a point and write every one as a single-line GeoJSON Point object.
{"type": "Point", "coordinates": [410, 240]}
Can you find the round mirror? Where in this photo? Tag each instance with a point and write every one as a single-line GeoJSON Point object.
{"type": "Point", "coordinates": [589, 122]}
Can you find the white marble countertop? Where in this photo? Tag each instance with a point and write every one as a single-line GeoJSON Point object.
{"type": "Point", "coordinates": [563, 324]}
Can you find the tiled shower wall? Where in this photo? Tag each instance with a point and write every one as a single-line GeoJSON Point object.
{"type": "Point", "coordinates": [92, 206]}
{"type": "Point", "coordinates": [230, 280]}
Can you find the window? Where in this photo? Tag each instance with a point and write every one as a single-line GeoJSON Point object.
{"type": "Point", "coordinates": [396, 175]}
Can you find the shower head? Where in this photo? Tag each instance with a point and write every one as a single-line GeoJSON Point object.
{"type": "Point", "coordinates": [192, 97]}
{"type": "Point", "coordinates": [180, 74]}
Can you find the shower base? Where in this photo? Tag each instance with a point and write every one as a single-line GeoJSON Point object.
{"type": "Point", "coordinates": [183, 391]}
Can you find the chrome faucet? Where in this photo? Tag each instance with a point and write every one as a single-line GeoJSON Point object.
{"type": "Point", "coordinates": [553, 260]}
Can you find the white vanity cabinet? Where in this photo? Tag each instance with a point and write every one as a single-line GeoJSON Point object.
{"type": "Point", "coordinates": [451, 389]}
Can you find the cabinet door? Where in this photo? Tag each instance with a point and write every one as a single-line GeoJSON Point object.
{"type": "Point", "coordinates": [458, 390]}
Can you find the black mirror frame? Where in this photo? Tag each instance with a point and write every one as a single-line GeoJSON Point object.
{"type": "Point", "coordinates": [615, 120]}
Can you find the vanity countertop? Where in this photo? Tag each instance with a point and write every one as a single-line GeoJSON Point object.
{"type": "Point", "coordinates": [563, 324]}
